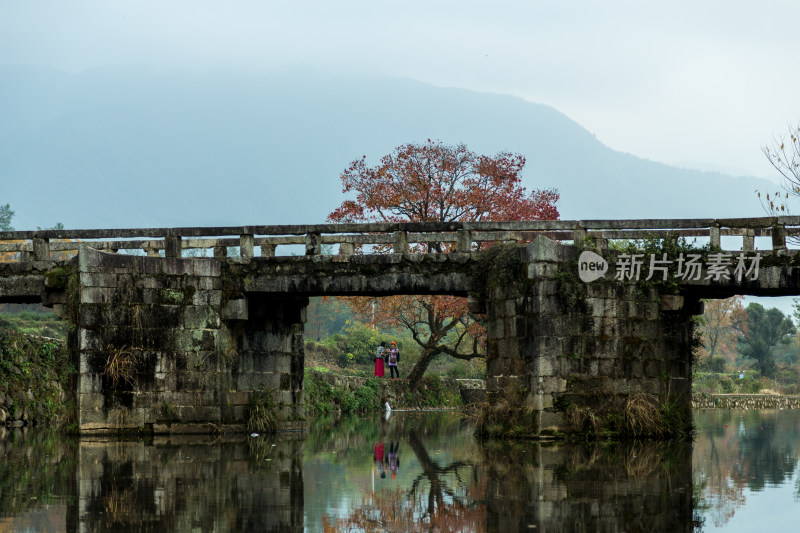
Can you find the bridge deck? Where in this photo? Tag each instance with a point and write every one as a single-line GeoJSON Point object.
{"type": "Point", "coordinates": [390, 237]}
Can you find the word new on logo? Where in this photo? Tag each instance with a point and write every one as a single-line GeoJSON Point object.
{"type": "Point", "coordinates": [591, 266]}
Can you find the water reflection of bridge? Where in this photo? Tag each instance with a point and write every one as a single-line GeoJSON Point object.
{"type": "Point", "coordinates": [448, 480]}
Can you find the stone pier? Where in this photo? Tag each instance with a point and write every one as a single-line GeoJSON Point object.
{"type": "Point", "coordinates": [164, 345]}
{"type": "Point", "coordinates": [567, 355]}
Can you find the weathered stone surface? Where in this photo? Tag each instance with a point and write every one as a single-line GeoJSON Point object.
{"type": "Point", "coordinates": [171, 320]}
{"type": "Point", "coordinates": [671, 302]}
{"type": "Point", "coordinates": [235, 309]}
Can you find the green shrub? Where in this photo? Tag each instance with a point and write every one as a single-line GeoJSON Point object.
{"type": "Point", "coordinates": [30, 363]}
{"type": "Point", "coordinates": [726, 385]}
{"type": "Point", "coordinates": [360, 342]}
{"type": "Point", "coordinates": [318, 393]}
{"type": "Point", "coordinates": [323, 398]}
{"type": "Point", "coordinates": [434, 392]}
{"type": "Point", "coordinates": [787, 378]}
{"type": "Point", "coordinates": [345, 359]}
{"type": "Point", "coordinates": [357, 346]}
{"type": "Point", "coordinates": [749, 384]}
{"type": "Point", "coordinates": [793, 389]}
{"type": "Point", "coordinates": [458, 370]}
{"type": "Point", "coordinates": [717, 364]}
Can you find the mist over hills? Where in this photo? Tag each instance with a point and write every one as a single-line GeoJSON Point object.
{"type": "Point", "coordinates": [132, 147]}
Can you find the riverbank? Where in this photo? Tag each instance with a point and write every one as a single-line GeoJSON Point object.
{"type": "Point", "coordinates": [328, 392]}
{"type": "Point", "coordinates": [34, 379]}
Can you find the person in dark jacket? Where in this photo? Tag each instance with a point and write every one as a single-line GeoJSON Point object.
{"type": "Point", "coordinates": [393, 358]}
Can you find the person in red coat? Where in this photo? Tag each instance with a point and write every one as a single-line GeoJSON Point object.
{"type": "Point", "coordinates": [379, 360]}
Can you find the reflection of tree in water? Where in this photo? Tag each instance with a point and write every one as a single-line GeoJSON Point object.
{"type": "Point", "coordinates": [716, 494]}
{"type": "Point", "coordinates": [348, 436]}
{"type": "Point", "coordinates": [447, 485]}
{"type": "Point", "coordinates": [767, 454]}
{"type": "Point", "coordinates": [742, 449]}
{"type": "Point", "coordinates": [35, 468]}
{"type": "Point", "coordinates": [443, 497]}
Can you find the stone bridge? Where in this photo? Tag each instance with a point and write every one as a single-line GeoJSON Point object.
{"type": "Point", "coordinates": [171, 333]}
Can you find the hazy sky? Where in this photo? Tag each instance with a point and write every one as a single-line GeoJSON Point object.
{"type": "Point", "coordinates": [690, 83]}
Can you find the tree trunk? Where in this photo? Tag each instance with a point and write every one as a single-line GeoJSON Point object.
{"type": "Point", "coordinates": [419, 369]}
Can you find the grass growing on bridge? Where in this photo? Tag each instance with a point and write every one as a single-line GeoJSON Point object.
{"type": "Point", "coordinates": [121, 365]}
{"type": "Point", "coordinates": [636, 415]}
{"type": "Point", "coordinates": [262, 413]}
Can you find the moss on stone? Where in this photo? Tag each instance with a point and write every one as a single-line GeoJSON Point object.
{"type": "Point", "coordinates": [58, 277]}
{"type": "Point", "coordinates": [498, 265]}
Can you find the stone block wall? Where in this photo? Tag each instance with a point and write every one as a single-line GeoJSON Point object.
{"type": "Point", "coordinates": [160, 347]}
{"type": "Point", "coordinates": [270, 350]}
{"type": "Point", "coordinates": [555, 342]}
{"type": "Point", "coordinates": [473, 391]}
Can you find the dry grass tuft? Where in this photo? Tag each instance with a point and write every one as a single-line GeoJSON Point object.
{"type": "Point", "coordinates": [643, 459]}
{"type": "Point", "coordinates": [508, 416]}
{"type": "Point", "coordinates": [584, 417]}
{"type": "Point", "coordinates": [119, 505]}
{"type": "Point", "coordinates": [262, 413]}
{"type": "Point", "coordinates": [215, 429]}
{"type": "Point", "coordinates": [643, 415]}
{"type": "Point", "coordinates": [121, 364]}
{"type": "Point", "coordinates": [229, 356]}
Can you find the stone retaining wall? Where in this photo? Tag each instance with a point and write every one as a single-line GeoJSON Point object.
{"type": "Point", "coordinates": [15, 413]}
{"type": "Point", "coordinates": [396, 392]}
{"type": "Point", "coordinates": [473, 391]}
{"type": "Point", "coordinates": [745, 401]}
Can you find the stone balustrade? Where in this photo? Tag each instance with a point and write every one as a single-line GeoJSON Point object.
{"type": "Point", "coordinates": [385, 237]}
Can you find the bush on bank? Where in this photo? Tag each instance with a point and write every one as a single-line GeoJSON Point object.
{"type": "Point", "coordinates": [324, 397]}
{"type": "Point", "coordinates": [749, 383]}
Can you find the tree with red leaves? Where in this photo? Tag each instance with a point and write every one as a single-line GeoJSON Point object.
{"type": "Point", "coordinates": [434, 182]}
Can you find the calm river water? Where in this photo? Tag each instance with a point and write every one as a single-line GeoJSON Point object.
{"type": "Point", "coordinates": [410, 472]}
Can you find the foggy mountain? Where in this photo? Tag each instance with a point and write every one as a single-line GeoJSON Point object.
{"type": "Point", "coordinates": [133, 147]}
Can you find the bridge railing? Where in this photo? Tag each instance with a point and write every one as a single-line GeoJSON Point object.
{"type": "Point", "coordinates": [383, 237]}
